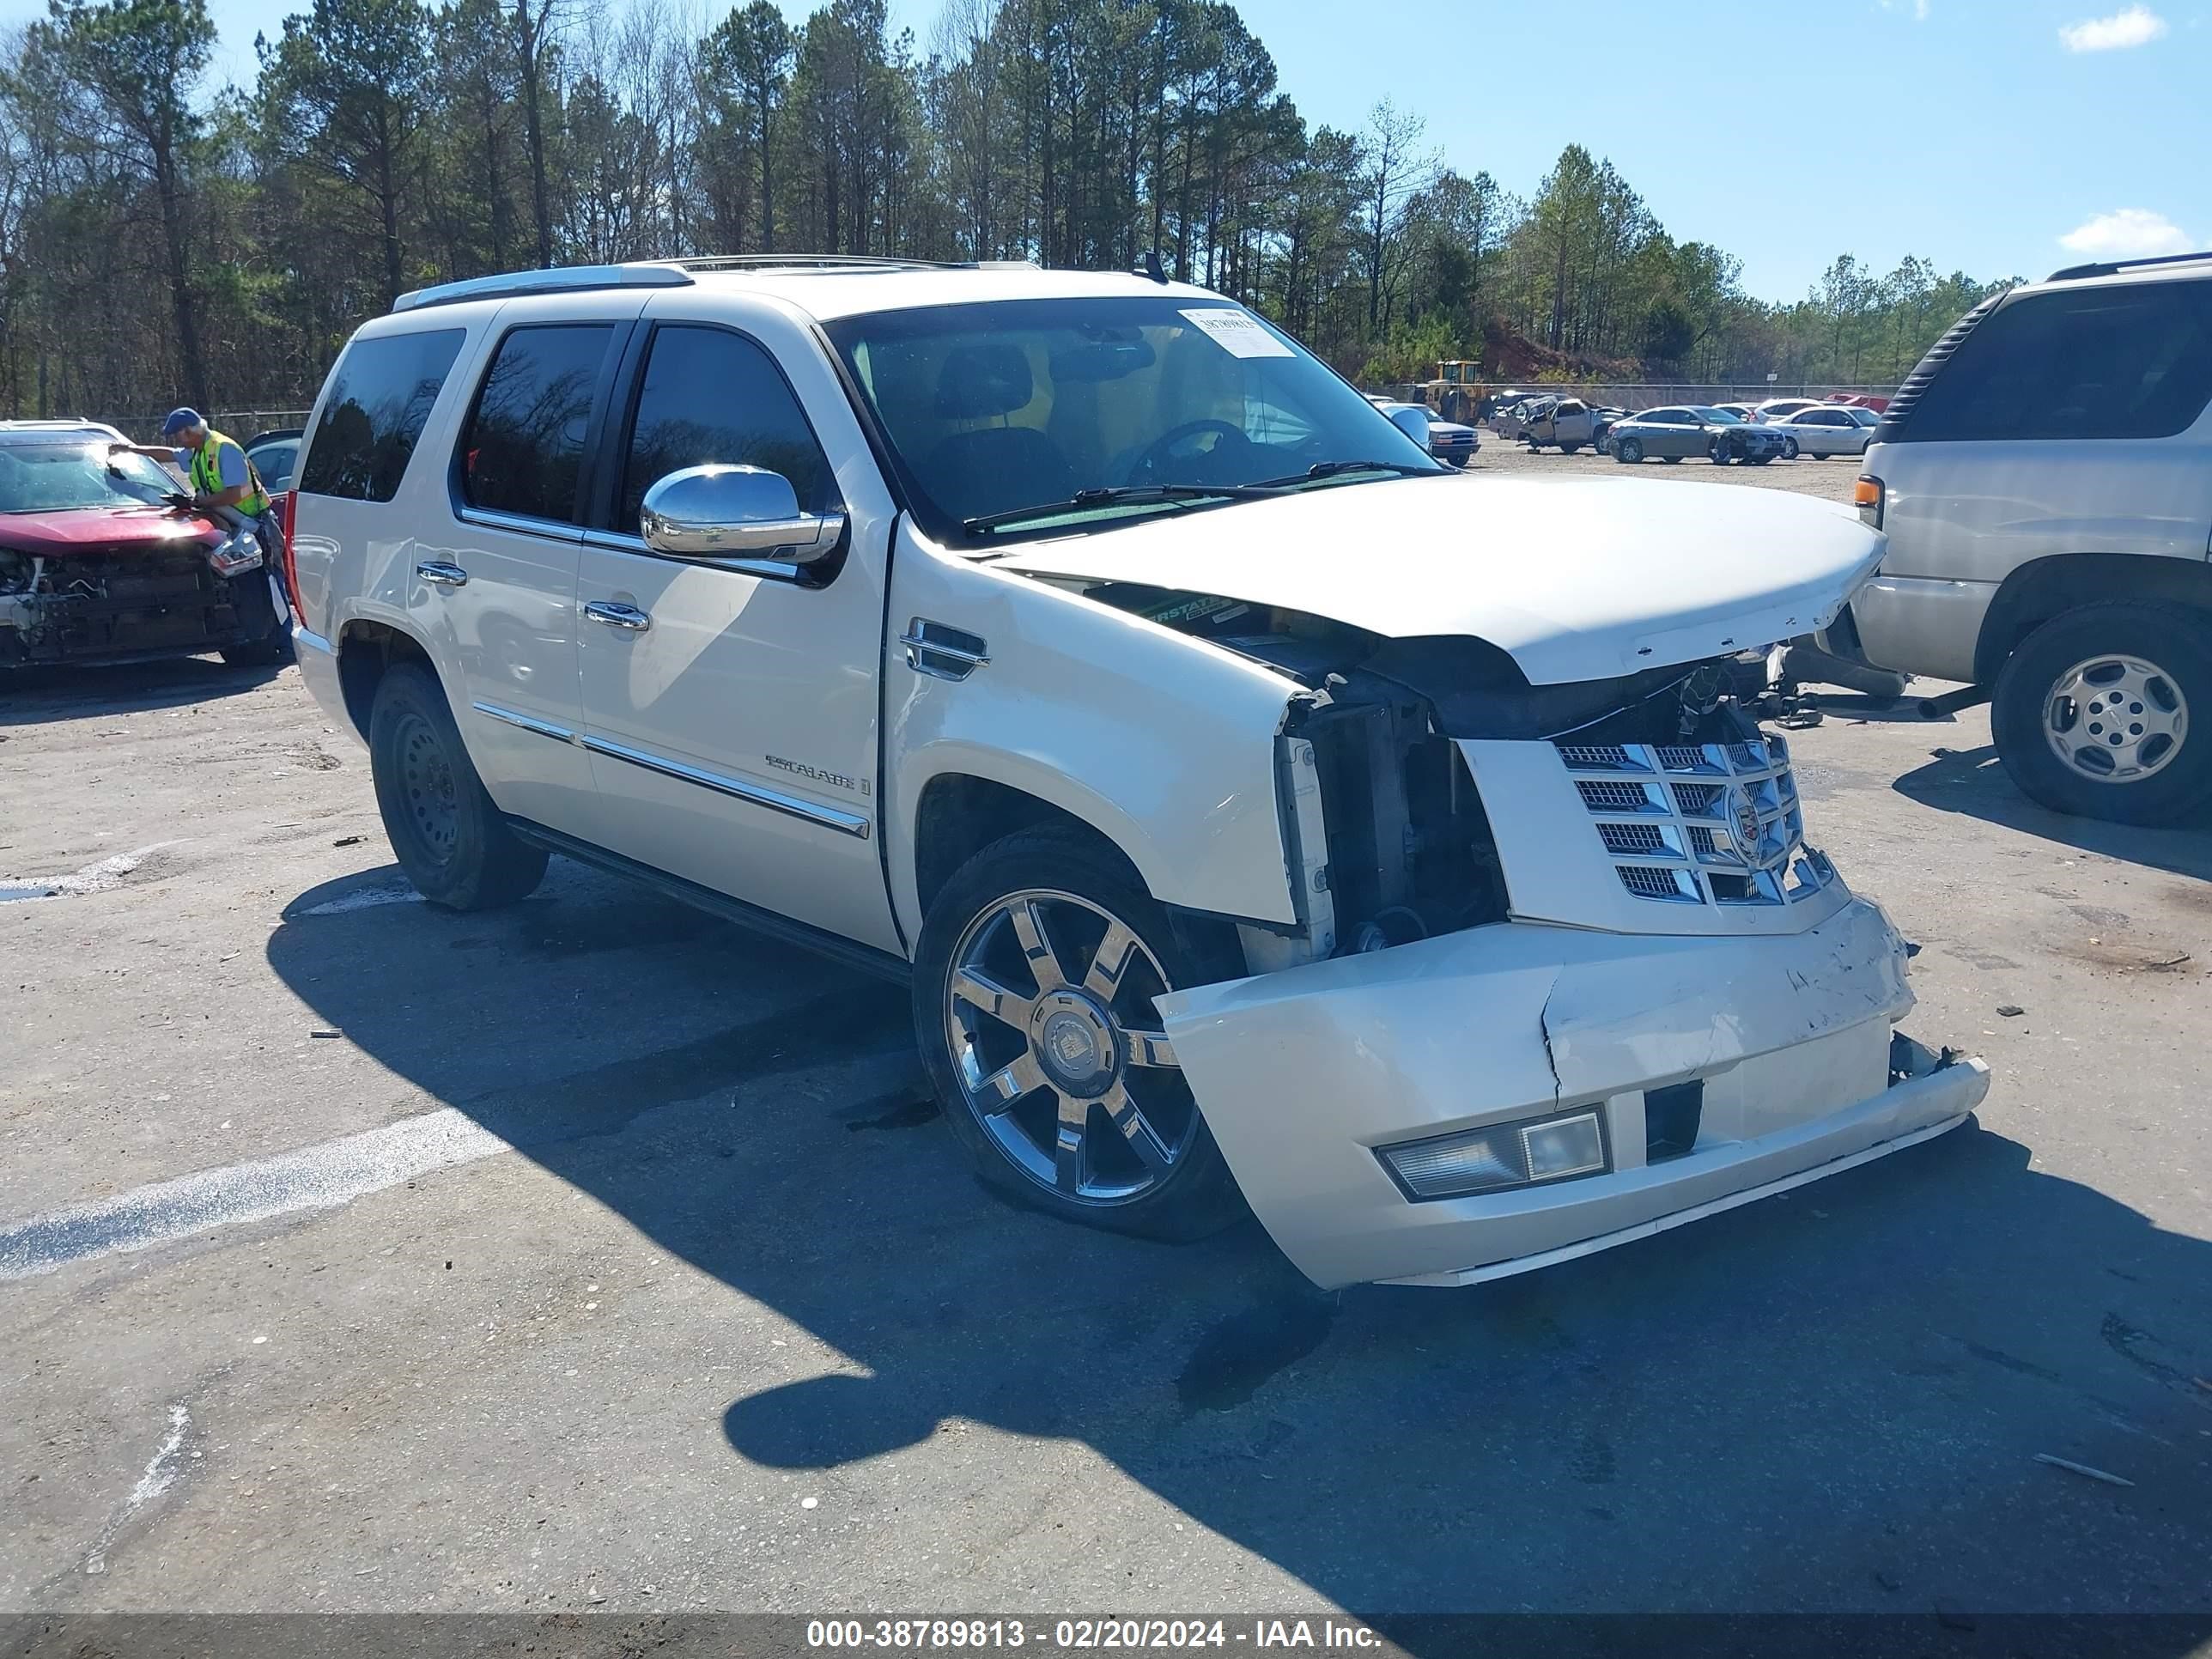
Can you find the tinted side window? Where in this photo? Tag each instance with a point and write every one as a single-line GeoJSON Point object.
{"type": "Point", "coordinates": [381, 395]}
{"type": "Point", "coordinates": [524, 449]}
{"type": "Point", "coordinates": [2094, 362]}
{"type": "Point", "coordinates": [710, 395]}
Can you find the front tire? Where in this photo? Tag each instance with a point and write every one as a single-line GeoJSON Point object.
{"type": "Point", "coordinates": [449, 838]}
{"type": "Point", "coordinates": [1629, 451]}
{"type": "Point", "coordinates": [1034, 986]}
{"type": "Point", "coordinates": [2091, 713]}
{"type": "Point", "coordinates": [1568, 449]}
{"type": "Point", "coordinates": [1789, 449]}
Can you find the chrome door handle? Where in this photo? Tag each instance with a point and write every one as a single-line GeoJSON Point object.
{"type": "Point", "coordinates": [439, 573]}
{"type": "Point", "coordinates": [942, 652]}
{"type": "Point", "coordinates": [627, 617]}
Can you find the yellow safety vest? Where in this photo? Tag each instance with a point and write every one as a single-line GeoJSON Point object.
{"type": "Point", "coordinates": [207, 475]}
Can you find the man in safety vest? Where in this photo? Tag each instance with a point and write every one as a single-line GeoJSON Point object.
{"type": "Point", "coordinates": [224, 487]}
{"type": "Point", "coordinates": [224, 484]}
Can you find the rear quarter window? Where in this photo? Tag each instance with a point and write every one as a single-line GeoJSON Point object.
{"type": "Point", "coordinates": [2122, 362]}
{"type": "Point", "coordinates": [380, 398]}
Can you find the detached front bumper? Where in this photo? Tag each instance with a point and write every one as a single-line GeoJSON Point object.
{"type": "Point", "coordinates": [1302, 1074]}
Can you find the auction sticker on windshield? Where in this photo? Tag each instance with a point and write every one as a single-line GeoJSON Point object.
{"type": "Point", "coordinates": [1239, 333]}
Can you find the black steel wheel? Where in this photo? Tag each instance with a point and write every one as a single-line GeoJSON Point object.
{"type": "Point", "coordinates": [444, 829]}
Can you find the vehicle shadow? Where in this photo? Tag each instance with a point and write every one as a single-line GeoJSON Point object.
{"type": "Point", "coordinates": [1830, 1402]}
{"type": "Point", "coordinates": [40, 695]}
{"type": "Point", "coordinates": [1973, 782]}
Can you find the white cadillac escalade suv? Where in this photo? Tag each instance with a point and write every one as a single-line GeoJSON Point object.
{"type": "Point", "coordinates": [1255, 821]}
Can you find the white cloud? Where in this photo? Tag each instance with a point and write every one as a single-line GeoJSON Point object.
{"type": "Point", "coordinates": [2128, 233]}
{"type": "Point", "coordinates": [1917, 8]}
{"type": "Point", "coordinates": [2138, 26]}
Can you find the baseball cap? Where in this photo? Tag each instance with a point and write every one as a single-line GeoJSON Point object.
{"type": "Point", "coordinates": [180, 419]}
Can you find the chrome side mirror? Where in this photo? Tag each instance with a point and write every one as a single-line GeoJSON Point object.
{"type": "Point", "coordinates": [1413, 423]}
{"type": "Point", "coordinates": [721, 512]}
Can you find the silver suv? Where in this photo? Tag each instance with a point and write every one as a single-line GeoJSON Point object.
{"type": "Point", "coordinates": [2044, 478]}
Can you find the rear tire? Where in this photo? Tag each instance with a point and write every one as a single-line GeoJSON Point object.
{"type": "Point", "coordinates": [2138, 670]}
{"type": "Point", "coordinates": [449, 838]}
{"type": "Point", "coordinates": [1568, 449]}
{"type": "Point", "coordinates": [1123, 1147]}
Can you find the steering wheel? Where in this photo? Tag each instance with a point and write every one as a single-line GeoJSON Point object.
{"type": "Point", "coordinates": [1145, 468]}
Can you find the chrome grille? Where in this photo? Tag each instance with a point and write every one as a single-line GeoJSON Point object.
{"type": "Point", "coordinates": [1646, 881]}
{"type": "Point", "coordinates": [1607, 756]}
{"type": "Point", "coordinates": [1605, 796]}
{"type": "Point", "coordinates": [1700, 824]}
{"type": "Point", "coordinates": [1631, 837]}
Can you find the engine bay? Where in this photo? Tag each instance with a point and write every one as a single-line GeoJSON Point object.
{"type": "Point", "coordinates": [1411, 852]}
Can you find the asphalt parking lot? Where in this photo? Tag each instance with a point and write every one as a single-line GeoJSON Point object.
{"type": "Point", "coordinates": [592, 1255]}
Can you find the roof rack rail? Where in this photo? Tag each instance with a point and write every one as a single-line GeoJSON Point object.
{"type": "Point", "coordinates": [559, 279]}
{"type": "Point", "coordinates": [2110, 267]}
{"type": "Point", "coordinates": [713, 261]}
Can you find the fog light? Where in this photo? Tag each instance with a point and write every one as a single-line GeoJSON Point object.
{"type": "Point", "coordinates": [1565, 1146]}
{"type": "Point", "coordinates": [1498, 1157]}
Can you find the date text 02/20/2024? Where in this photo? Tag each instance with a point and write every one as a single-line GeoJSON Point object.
{"type": "Point", "coordinates": [1086, 1635]}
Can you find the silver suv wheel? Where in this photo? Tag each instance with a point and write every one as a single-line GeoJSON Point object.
{"type": "Point", "coordinates": [1058, 1052]}
{"type": "Point", "coordinates": [2116, 718]}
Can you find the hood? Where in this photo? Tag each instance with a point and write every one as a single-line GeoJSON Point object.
{"type": "Point", "coordinates": [102, 530]}
{"type": "Point", "coordinates": [1575, 580]}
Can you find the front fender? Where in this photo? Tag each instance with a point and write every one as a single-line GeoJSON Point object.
{"type": "Point", "coordinates": [1164, 745]}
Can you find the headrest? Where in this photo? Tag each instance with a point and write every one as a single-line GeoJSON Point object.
{"type": "Point", "coordinates": [978, 381]}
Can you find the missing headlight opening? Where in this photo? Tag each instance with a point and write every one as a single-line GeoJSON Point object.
{"type": "Point", "coordinates": [1410, 849]}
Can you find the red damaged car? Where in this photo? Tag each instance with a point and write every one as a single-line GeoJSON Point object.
{"type": "Point", "coordinates": [100, 564]}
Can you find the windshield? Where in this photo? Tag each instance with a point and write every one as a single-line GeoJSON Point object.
{"type": "Point", "coordinates": [55, 477]}
{"type": "Point", "coordinates": [1719, 417]}
{"type": "Point", "coordinates": [990, 409]}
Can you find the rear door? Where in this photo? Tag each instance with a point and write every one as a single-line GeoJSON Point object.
{"type": "Point", "coordinates": [498, 588]}
{"type": "Point", "coordinates": [1679, 434]}
{"type": "Point", "coordinates": [1818, 431]}
{"type": "Point", "coordinates": [731, 704]}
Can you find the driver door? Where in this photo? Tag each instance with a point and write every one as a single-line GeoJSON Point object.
{"type": "Point", "coordinates": [730, 704]}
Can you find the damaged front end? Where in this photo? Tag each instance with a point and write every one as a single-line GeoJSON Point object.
{"type": "Point", "coordinates": [1568, 971]}
{"type": "Point", "coordinates": [133, 601]}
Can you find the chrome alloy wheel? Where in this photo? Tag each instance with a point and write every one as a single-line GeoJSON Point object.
{"type": "Point", "coordinates": [1065, 1066]}
{"type": "Point", "coordinates": [2116, 718]}
{"type": "Point", "coordinates": [433, 795]}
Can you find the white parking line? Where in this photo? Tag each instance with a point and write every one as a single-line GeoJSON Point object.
{"type": "Point", "coordinates": [313, 1178]}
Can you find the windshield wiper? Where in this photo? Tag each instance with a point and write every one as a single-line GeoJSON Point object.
{"type": "Point", "coordinates": [1121, 496]}
{"type": "Point", "coordinates": [1321, 469]}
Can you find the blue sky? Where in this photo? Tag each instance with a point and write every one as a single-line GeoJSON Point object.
{"type": "Point", "coordinates": [1978, 133]}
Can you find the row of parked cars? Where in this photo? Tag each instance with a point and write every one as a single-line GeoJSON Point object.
{"type": "Point", "coordinates": [1781, 429]}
